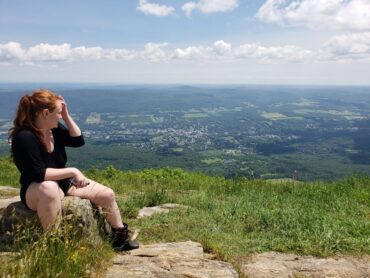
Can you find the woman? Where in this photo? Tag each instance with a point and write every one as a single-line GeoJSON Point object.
{"type": "Point", "coordinates": [38, 146]}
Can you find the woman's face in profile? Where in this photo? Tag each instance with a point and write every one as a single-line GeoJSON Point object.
{"type": "Point", "coordinates": [55, 115]}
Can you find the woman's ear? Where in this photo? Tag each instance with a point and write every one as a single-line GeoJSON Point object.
{"type": "Point", "coordinates": [45, 112]}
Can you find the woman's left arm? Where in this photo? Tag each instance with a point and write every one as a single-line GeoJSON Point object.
{"type": "Point", "coordinates": [73, 128]}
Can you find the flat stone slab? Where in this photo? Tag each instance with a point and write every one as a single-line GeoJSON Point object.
{"type": "Point", "coordinates": [181, 259]}
{"type": "Point", "coordinates": [273, 264]}
{"type": "Point", "coordinates": [149, 211]}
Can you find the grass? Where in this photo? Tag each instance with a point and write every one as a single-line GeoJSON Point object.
{"type": "Point", "coordinates": [63, 253]}
{"type": "Point", "coordinates": [231, 217]}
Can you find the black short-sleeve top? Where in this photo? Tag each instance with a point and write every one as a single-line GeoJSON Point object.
{"type": "Point", "coordinates": [31, 157]}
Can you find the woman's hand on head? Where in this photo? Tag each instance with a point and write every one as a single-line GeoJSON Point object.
{"type": "Point", "coordinates": [65, 112]}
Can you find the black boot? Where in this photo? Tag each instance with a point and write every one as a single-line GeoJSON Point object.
{"type": "Point", "coordinates": [121, 240]}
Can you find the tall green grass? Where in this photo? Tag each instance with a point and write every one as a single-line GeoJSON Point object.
{"type": "Point", "coordinates": [9, 174]}
{"type": "Point", "coordinates": [235, 217]}
{"type": "Point", "coordinates": [66, 252]}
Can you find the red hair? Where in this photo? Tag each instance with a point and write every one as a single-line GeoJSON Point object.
{"type": "Point", "coordinates": [29, 108]}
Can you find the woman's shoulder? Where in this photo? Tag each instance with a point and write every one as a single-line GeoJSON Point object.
{"type": "Point", "coordinates": [23, 133]}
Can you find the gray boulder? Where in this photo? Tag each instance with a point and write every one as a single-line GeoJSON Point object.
{"type": "Point", "coordinates": [85, 218]}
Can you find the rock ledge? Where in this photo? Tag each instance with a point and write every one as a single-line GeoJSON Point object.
{"type": "Point", "coordinates": [280, 265]}
{"type": "Point", "coordinates": [180, 259]}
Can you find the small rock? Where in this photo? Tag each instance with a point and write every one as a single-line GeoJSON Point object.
{"type": "Point", "coordinates": [273, 264]}
{"type": "Point", "coordinates": [149, 211]}
{"type": "Point", "coordinates": [181, 259]}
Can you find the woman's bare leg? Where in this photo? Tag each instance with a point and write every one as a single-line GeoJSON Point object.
{"type": "Point", "coordinates": [46, 199]}
{"type": "Point", "coordinates": [102, 196]}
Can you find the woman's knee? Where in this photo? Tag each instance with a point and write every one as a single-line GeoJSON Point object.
{"type": "Point", "coordinates": [49, 190]}
{"type": "Point", "coordinates": [44, 192]}
{"type": "Point", "coordinates": [107, 195]}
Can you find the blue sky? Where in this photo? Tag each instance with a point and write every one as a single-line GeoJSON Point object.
{"type": "Point", "coordinates": [186, 42]}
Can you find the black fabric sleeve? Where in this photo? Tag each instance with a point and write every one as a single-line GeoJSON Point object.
{"type": "Point", "coordinates": [68, 140]}
{"type": "Point", "coordinates": [27, 155]}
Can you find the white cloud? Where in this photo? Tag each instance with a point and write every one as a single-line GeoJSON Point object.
{"type": "Point", "coordinates": [155, 9]}
{"type": "Point", "coordinates": [120, 54]}
{"type": "Point", "coordinates": [347, 47]}
{"type": "Point", "coordinates": [89, 53]}
{"type": "Point", "coordinates": [332, 14]}
{"type": "Point", "coordinates": [11, 51]}
{"type": "Point", "coordinates": [290, 53]}
{"type": "Point", "coordinates": [210, 6]}
{"type": "Point", "coordinates": [154, 52]}
{"type": "Point", "coordinates": [222, 48]}
{"type": "Point", "coordinates": [192, 53]}
{"type": "Point", "coordinates": [189, 7]}
{"type": "Point", "coordinates": [49, 52]}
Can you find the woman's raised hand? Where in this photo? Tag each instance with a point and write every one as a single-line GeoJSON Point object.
{"type": "Point", "coordinates": [65, 112]}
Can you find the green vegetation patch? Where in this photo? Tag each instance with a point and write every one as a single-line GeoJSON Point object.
{"type": "Point", "coordinates": [236, 217]}
{"type": "Point", "coordinates": [195, 115]}
{"type": "Point", "coordinates": [230, 217]}
{"type": "Point", "coordinates": [278, 116]}
{"type": "Point", "coordinates": [62, 253]}
{"type": "Point", "coordinates": [212, 161]}
{"type": "Point", "coordinates": [9, 174]}
{"type": "Point", "coordinates": [345, 113]}
{"type": "Point", "coordinates": [274, 116]}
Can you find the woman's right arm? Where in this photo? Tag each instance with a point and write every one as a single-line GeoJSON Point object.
{"type": "Point", "coordinates": [55, 174]}
{"type": "Point", "coordinates": [27, 156]}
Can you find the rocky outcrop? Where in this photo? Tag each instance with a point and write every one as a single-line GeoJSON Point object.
{"type": "Point", "coordinates": [278, 265]}
{"type": "Point", "coordinates": [85, 218]}
{"type": "Point", "coordinates": [181, 259]}
{"type": "Point", "coordinates": [164, 208]}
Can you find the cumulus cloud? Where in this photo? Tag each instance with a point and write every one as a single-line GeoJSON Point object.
{"type": "Point", "coordinates": [333, 14]}
{"type": "Point", "coordinates": [45, 53]}
{"type": "Point", "coordinates": [155, 9]}
{"type": "Point", "coordinates": [289, 53]}
{"type": "Point", "coordinates": [192, 53]}
{"type": "Point", "coordinates": [49, 52]}
{"type": "Point", "coordinates": [120, 54]}
{"type": "Point", "coordinates": [88, 53]}
{"type": "Point", "coordinates": [219, 50]}
{"type": "Point", "coordinates": [222, 48]}
{"type": "Point", "coordinates": [154, 52]}
{"type": "Point", "coordinates": [347, 47]}
{"type": "Point", "coordinates": [11, 51]}
{"type": "Point", "coordinates": [210, 6]}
